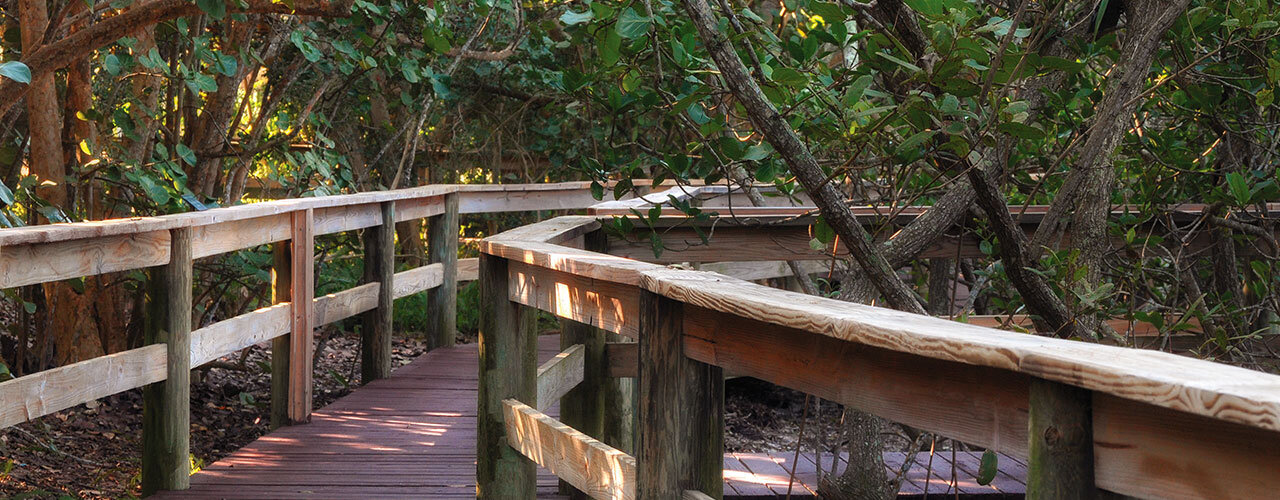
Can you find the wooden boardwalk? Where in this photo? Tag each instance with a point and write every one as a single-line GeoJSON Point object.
{"type": "Point", "coordinates": [413, 436]}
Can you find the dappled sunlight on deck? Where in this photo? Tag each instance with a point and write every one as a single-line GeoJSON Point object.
{"type": "Point", "coordinates": [413, 436]}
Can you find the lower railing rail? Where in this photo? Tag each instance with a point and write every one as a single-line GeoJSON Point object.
{"type": "Point", "coordinates": [1088, 418]}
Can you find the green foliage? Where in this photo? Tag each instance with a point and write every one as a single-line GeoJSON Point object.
{"type": "Point", "coordinates": [16, 71]}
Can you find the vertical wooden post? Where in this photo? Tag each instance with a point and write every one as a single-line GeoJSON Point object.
{"type": "Point", "coordinates": [508, 369]}
{"type": "Point", "coordinates": [281, 281]}
{"type": "Point", "coordinates": [442, 301]}
{"type": "Point", "coordinates": [1061, 431]}
{"type": "Point", "coordinates": [680, 430]}
{"type": "Point", "coordinates": [166, 433]}
{"type": "Point", "coordinates": [302, 290]}
{"type": "Point", "coordinates": [583, 407]}
{"type": "Point", "coordinates": [379, 266]}
{"type": "Point", "coordinates": [601, 406]}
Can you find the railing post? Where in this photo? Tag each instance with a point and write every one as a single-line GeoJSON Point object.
{"type": "Point", "coordinates": [281, 282]}
{"type": "Point", "coordinates": [508, 369]}
{"type": "Point", "coordinates": [601, 406]}
{"type": "Point", "coordinates": [680, 429]}
{"type": "Point", "coordinates": [166, 422]}
{"type": "Point", "coordinates": [302, 292]}
{"type": "Point", "coordinates": [379, 266]}
{"type": "Point", "coordinates": [1061, 431]}
{"type": "Point", "coordinates": [442, 301]}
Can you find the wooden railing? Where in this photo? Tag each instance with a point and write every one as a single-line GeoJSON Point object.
{"type": "Point", "coordinates": [977, 381]}
{"type": "Point", "coordinates": [167, 245]}
{"type": "Point", "coordinates": [1088, 417]}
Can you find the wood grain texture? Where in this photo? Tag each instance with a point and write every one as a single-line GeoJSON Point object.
{"type": "Point", "coordinates": [418, 279]}
{"type": "Point", "coordinates": [412, 436]}
{"type": "Point", "coordinates": [442, 250]}
{"type": "Point", "coordinates": [331, 220]}
{"type": "Point", "coordinates": [560, 375]}
{"type": "Point", "coordinates": [507, 370]}
{"type": "Point", "coordinates": [233, 334]}
{"type": "Point", "coordinates": [680, 414]}
{"type": "Point", "coordinates": [589, 465]}
{"type": "Point", "coordinates": [468, 269]}
{"type": "Point", "coordinates": [302, 290]}
{"type": "Point", "coordinates": [419, 208]}
{"type": "Point", "coordinates": [338, 306]}
{"type": "Point", "coordinates": [1151, 452]}
{"type": "Point", "coordinates": [239, 234]}
{"type": "Point", "coordinates": [622, 359]}
{"type": "Point", "coordinates": [555, 231]}
{"type": "Point", "coordinates": [765, 269]}
{"type": "Point", "coordinates": [39, 263]}
{"type": "Point", "coordinates": [609, 306]}
{"type": "Point", "coordinates": [166, 422]}
{"type": "Point", "coordinates": [380, 268]}
{"type": "Point", "coordinates": [1201, 387]}
{"type": "Point", "coordinates": [582, 406]}
{"type": "Point", "coordinates": [136, 225]}
{"type": "Point", "coordinates": [32, 396]}
{"type": "Point", "coordinates": [923, 393]}
{"type": "Point", "coordinates": [1060, 461]}
{"type": "Point", "coordinates": [519, 201]}
{"type": "Point", "coordinates": [281, 282]}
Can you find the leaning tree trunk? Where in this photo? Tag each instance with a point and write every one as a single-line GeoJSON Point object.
{"type": "Point", "coordinates": [1087, 192]}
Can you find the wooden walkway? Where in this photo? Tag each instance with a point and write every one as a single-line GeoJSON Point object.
{"type": "Point", "coordinates": [413, 436]}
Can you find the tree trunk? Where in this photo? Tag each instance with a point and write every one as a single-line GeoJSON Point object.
{"type": "Point", "coordinates": [800, 161]}
{"type": "Point", "coordinates": [44, 122]}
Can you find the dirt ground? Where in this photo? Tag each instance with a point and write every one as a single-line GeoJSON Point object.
{"type": "Point", "coordinates": [92, 451]}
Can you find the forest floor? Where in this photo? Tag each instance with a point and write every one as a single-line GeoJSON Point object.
{"type": "Point", "coordinates": [91, 451]}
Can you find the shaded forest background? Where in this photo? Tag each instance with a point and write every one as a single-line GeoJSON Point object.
{"type": "Point", "coordinates": [132, 108]}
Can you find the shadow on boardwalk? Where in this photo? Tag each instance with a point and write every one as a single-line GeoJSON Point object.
{"type": "Point", "coordinates": [413, 436]}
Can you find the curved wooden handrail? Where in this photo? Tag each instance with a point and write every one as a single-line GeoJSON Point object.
{"type": "Point", "coordinates": [1149, 407]}
{"type": "Point", "coordinates": [39, 254]}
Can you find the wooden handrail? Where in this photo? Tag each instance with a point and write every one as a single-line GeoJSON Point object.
{"type": "Point", "coordinates": [726, 323]}
{"type": "Point", "coordinates": [53, 252]}
{"type": "Point", "coordinates": [1154, 416]}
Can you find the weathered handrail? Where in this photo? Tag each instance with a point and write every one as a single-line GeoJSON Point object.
{"type": "Point", "coordinates": [168, 244]}
{"type": "Point", "coordinates": [1135, 422]}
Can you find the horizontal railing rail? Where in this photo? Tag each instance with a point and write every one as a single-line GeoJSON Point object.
{"type": "Point", "coordinates": [548, 270]}
{"type": "Point", "coordinates": [1135, 422]}
{"type": "Point", "coordinates": [167, 245]}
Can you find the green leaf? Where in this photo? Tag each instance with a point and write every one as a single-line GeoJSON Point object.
{"type": "Point", "coordinates": [823, 232]}
{"type": "Point", "coordinates": [910, 67]}
{"type": "Point", "coordinates": [656, 242]}
{"type": "Point", "coordinates": [632, 24]}
{"type": "Point", "coordinates": [1266, 97]}
{"type": "Point", "coordinates": [53, 213]}
{"type": "Point", "coordinates": [912, 144]}
{"type": "Point", "coordinates": [16, 71]}
{"type": "Point", "coordinates": [931, 8]}
{"type": "Point", "coordinates": [570, 18]}
{"type": "Point", "coordinates": [1021, 130]}
{"type": "Point", "coordinates": [111, 63]}
{"type": "Point", "coordinates": [597, 191]}
{"type": "Point", "coordinates": [611, 48]}
{"type": "Point", "coordinates": [857, 88]}
{"type": "Point", "coordinates": [988, 467]}
{"type": "Point", "coordinates": [188, 156]}
{"type": "Point", "coordinates": [6, 195]}
{"type": "Point", "coordinates": [757, 152]}
{"type": "Point", "coordinates": [790, 77]}
{"type": "Point", "coordinates": [829, 12]}
{"type": "Point", "coordinates": [1239, 188]}
{"type": "Point", "coordinates": [216, 9]}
